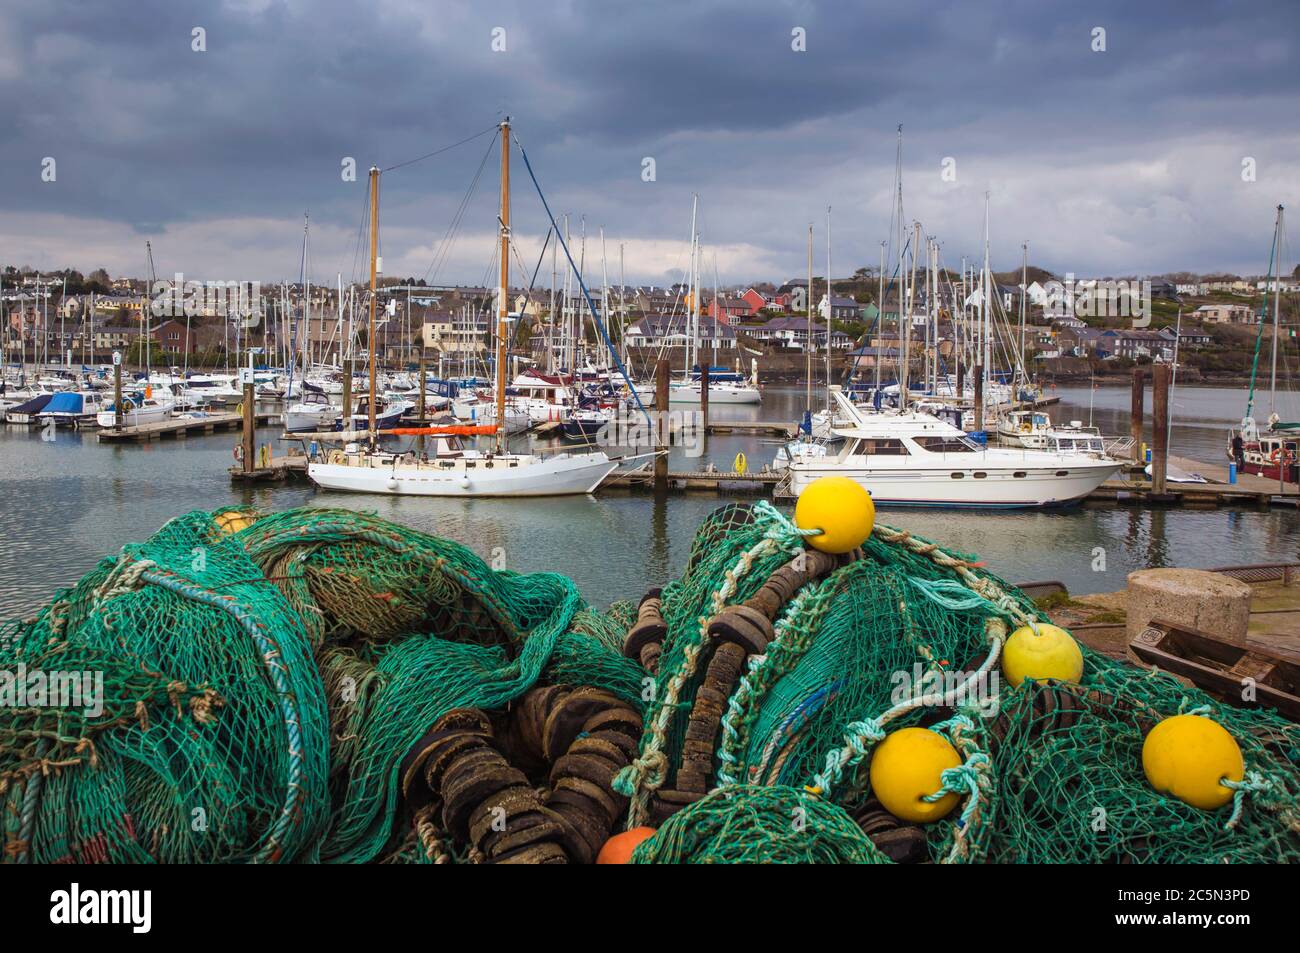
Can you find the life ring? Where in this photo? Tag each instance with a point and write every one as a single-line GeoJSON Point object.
{"type": "Point", "coordinates": [1280, 455]}
{"type": "Point", "coordinates": [337, 457]}
{"type": "Point", "coordinates": [239, 453]}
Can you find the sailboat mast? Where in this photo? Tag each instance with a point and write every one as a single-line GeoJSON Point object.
{"type": "Point", "coordinates": [929, 312]}
{"type": "Point", "coordinates": [986, 279]}
{"type": "Point", "coordinates": [808, 325]}
{"type": "Point", "coordinates": [907, 337]}
{"type": "Point", "coordinates": [1024, 286]}
{"type": "Point", "coordinates": [306, 300]}
{"type": "Point", "coordinates": [503, 290]}
{"type": "Point", "coordinates": [830, 309]}
{"type": "Point", "coordinates": [1277, 298]}
{"type": "Point", "coordinates": [880, 311]}
{"type": "Point", "coordinates": [374, 270]}
{"type": "Point", "coordinates": [692, 321]}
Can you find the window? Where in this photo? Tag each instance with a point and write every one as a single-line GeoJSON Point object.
{"type": "Point", "coordinates": [882, 447]}
{"type": "Point", "coordinates": [945, 444]}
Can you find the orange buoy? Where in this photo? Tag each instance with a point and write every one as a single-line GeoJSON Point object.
{"type": "Point", "coordinates": [618, 849]}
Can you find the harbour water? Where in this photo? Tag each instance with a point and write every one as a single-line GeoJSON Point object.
{"type": "Point", "coordinates": [67, 502]}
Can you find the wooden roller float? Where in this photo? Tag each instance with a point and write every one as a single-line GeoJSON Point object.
{"type": "Point", "coordinates": [477, 788]}
{"type": "Point", "coordinates": [644, 641]}
{"type": "Point", "coordinates": [901, 842]}
{"type": "Point", "coordinates": [735, 634]}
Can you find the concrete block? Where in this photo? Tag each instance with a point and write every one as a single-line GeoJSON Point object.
{"type": "Point", "coordinates": [1216, 604]}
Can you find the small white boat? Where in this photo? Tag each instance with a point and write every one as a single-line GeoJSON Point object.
{"type": "Point", "coordinates": [1175, 474]}
{"type": "Point", "coordinates": [72, 408]}
{"type": "Point", "coordinates": [313, 412]}
{"type": "Point", "coordinates": [214, 389]}
{"type": "Point", "coordinates": [389, 415]}
{"type": "Point", "coordinates": [25, 411]}
{"type": "Point", "coordinates": [725, 387]}
{"type": "Point", "coordinates": [1024, 428]}
{"type": "Point", "coordinates": [136, 410]}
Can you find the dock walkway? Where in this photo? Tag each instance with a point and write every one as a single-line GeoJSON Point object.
{"type": "Point", "coordinates": [179, 427]}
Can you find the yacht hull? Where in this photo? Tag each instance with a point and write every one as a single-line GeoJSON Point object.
{"type": "Point", "coordinates": [997, 488]}
{"type": "Point", "coordinates": [555, 476]}
{"type": "Point", "coordinates": [690, 394]}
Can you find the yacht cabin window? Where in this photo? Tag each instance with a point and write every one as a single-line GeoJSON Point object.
{"type": "Point", "coordinates": [881, 447]}
{"type": "Point", "coordinates": [946, 444]}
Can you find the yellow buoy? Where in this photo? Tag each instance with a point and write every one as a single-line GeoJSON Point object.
{"type": "Point", "coordinates": [1049, 653]}
{"type": "Point", "coordinates": [232, 521]}
{"type": "Point", "coordinates": [1188, 756]}
{"type": "Point", "coordinates": [907, 766]}
{"type": "Point", "coordinates": [841, 509]}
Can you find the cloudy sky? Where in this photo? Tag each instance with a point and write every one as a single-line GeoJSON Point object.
{"type": "Point", "coordinates": [1127, 160]}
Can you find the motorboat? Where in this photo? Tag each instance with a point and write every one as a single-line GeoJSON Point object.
{"type": "Point", "coordinates": [387, 416]}
{"type": "Point", "coordinates": [313, 412]}
{"type": "Point", "coordinates": [72, 408]}
{"type": "Point", "coordinates": [25, 411]}
{"type": "Point", "coordinates": [916, 459]}
{"type": "Point", "coordinates": [136, 410]}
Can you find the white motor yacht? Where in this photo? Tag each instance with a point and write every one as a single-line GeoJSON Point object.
{"type": "Point", "coordinates": [915, 459]}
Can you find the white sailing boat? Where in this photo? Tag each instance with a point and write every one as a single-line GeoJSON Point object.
{"type": "Point", "coordinates": [499, 473]}
{"type": "Point", "coordinates": [915, 459]}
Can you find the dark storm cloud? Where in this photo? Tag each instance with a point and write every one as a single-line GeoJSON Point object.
{"type": "Point", "coordinates": [1127, 160]}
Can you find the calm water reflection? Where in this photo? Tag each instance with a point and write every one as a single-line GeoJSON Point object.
{"type": "Point", "coordinates": [66, 503]}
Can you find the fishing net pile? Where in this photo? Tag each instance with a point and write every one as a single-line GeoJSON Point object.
{"type": "Point", "coordinates": [322, 685]}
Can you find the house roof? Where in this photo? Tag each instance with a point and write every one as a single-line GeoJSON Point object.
{"type": "Point", "coordinates": [662, 325]}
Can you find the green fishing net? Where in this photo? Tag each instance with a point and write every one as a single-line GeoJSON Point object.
{"type": "Point", "coordinates": [261, 687]}
{"type": "Point", "coordinates": [262, 680]}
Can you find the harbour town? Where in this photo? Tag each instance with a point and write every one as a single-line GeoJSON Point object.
{"type": "Point", "coordinates": [647, 530]}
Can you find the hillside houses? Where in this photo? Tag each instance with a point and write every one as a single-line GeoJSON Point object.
{"type": "Point", "coordinates": [1225, 314]}
{"type": "Point", "coordinates": [766, 301]}
{"type": "Point", "coordinates": [660, 330]}
{"type": "Point", "coordinates": [792, 332]}
{"type": "Point", "coordinates": [840, 308]}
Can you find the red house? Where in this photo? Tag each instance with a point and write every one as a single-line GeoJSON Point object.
{"type": "Point", "coordinates": [727, 310]}
{"type": "Point", "coordinates": [174, 338]}
{"type": "Point", "coordinates": [759, 300]}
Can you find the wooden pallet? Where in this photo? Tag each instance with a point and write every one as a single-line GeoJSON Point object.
{"type": "Point", "coordinates": [1220, 667]}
